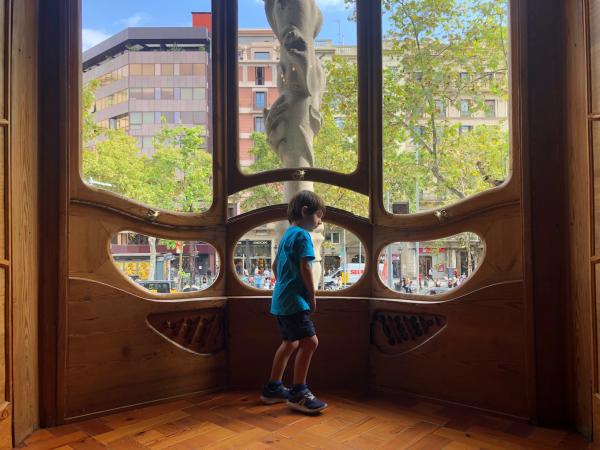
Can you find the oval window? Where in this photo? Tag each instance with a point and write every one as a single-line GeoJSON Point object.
{"type": "Point", "coordinates": [342, 256]}
{"type": "Point", "coordinates": [165, 266]}
{"type": "Point", "coordinates": [441, 265]}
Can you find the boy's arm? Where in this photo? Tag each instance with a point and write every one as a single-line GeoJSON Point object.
{"type": "Point", "coordinates": [274, 267]}
{"type": "Point", "coordinates": [306, 273]}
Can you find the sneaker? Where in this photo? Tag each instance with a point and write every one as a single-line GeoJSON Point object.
{"type": "Point", "coordinates": [304, 401]}
{"type": "Point", "coordinates": [271, 396]}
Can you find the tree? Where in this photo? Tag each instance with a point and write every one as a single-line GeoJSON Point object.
{"type": "Point", "coordinates": [180, 170]}
{"type": "Point", "coordinates": [440, 53]}
{"type": "Point", "coordinates": [90, 130]}
{"type": "Point", "coordinates": [115, 162]}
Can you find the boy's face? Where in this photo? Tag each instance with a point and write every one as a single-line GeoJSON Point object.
{"type": "Point", "coordinates": [310, 221]}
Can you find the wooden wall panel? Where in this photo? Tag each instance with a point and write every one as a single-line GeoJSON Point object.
{"type": "Point", "coordinates": [341, 360]}
{"type": "Point", "coordinates": [24, 196]}
{"type": "Point", "coordinates": [116, 359]}
{"type": "Point", "coordinates": [478, 359]}
{"type": "Point", "coordinates": [579, 307]}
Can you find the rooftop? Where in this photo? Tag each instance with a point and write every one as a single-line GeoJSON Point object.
{"type": "Point", "coordinates": [145, 39]}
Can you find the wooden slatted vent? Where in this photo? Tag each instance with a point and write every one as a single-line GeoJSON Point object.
{"type": "Point", "coordinates": [199, 331]}
{"type": "Point", "coordinates": [394, 333]}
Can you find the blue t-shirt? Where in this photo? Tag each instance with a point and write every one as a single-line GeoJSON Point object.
{"type": "Point", "coordinates": [290, 295]}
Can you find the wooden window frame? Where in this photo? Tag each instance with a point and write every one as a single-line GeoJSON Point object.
{"type": "Point", "coordinates": [366, 179]}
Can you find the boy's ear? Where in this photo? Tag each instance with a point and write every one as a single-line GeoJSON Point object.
{"type": "Point", "coordinates": [304, 210]}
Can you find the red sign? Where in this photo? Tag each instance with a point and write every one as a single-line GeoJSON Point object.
{"type": "Point", "coordinates": [431, 250]}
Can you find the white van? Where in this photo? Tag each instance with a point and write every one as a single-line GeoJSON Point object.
{"type": "Point", "coordinates": [350, 276]}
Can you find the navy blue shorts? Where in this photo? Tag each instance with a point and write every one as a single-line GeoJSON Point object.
{"type": "Point", "coordinates": [295, 327]}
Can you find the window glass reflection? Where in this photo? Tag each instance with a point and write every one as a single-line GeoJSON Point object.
{"type": "Point", "coordinates": [343, 256]}
{"type": "Point", "coordinates": [163, 265]}
{"type": "Point", "coordinates": [431, 267]}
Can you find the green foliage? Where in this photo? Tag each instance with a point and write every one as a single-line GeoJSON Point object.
{"type": "Point", "coordinates": [177, 177]}
{"type": "Point", "coordinates": [89, 129]}
{"type": "Point", "coordinates": [264, 159]}
{"type": "Point", "coordinates": [116, 160]}
{"type": "Point", "coordinates": [180, 171]}
{"type": "Point", "coordinates": [443, 51]}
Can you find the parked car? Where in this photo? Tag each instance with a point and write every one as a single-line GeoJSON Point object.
{"type": "Point", "coordinates": [158, 286]}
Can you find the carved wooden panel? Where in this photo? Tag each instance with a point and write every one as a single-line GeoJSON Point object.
{"type": "Point", "coordinates": [396, 332]}
{"type": "Point", "coordinates": [199, 331]}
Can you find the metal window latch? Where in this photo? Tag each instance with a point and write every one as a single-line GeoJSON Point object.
{"type": "Point", "coordinates": [441, 215]}
{"type": "Point", "coordinates": [299, 174]}
{"type": "Point", "coordinates": [152, 214]}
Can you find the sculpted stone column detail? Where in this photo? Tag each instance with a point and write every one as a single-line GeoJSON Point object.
{"type": "Point", "coordinates": [294, 118]}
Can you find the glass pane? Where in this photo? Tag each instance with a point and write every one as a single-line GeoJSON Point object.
{"type": "Point", "coordinates": [186, 93]}
{"type": "Point", "coordinates": [443, 264]}
{"type": "Point", "coordinates": [272, 194]}
{"type": "Point", "coordinates": [305, 107]}
{"type": "Point", "coordinates": [199, 94]}
{"type": "Point", "coordinates": [134, 141]}
{"type": "Point", "coordinates": [445, 101]}
{"type": "Point", "coordinates": [135, 69]}
{"type": "Point", "coordinates": [342, 254]}
{"type": "Point", "coordinates": [165, 266]}
{"type": "Point", "coordinates": [185, 69]}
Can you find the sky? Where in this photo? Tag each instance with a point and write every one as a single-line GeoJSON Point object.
{"type": "Point", "coordinates": [103, 18]}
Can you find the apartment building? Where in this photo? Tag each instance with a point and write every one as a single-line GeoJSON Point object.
{"type": "Point", "coordinates": [149, 76]}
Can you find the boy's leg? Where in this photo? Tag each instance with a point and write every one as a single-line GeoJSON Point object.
{"type": "Point", "coordinates": [274, 391]}
{"type": "Point", "coordinates": [300, 398]}
{"type": "Point", "coordinates": [281, 358]}
{"type": "Point", "coordinates": [306, 349]}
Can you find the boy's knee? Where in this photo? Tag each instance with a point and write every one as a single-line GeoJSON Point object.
{"type": "Point", "coordinates": [310, 343]}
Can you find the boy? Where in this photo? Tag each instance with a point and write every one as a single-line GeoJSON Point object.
{"type": "Point", "coordinates": [293, 302]}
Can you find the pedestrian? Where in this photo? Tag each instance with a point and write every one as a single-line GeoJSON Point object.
{"type": "Point", "coordinates": [293, 302]}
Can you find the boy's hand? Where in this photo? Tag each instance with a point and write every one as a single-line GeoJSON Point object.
{"type": "Point", "coordinates": [313, 305]}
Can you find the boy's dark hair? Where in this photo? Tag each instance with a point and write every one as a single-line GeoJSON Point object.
{"type": "Point", "coordinates": [312, 201]}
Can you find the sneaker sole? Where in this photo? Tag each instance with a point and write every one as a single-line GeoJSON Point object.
{"type": "Point", "coordinates": [304, 409]}
{"type": "Point", "coordinates": [272, 400]}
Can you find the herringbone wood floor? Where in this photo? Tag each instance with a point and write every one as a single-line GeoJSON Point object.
{"type": "Point", "coordinates": [238, 420]}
